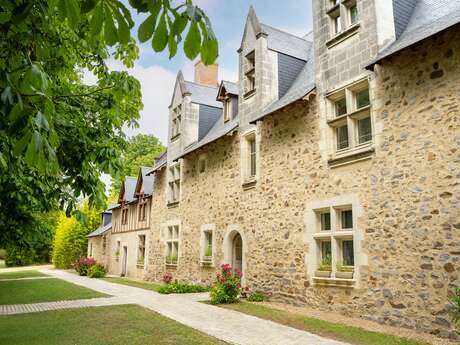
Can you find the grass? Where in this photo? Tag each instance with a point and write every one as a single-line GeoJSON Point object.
{"type": "Point", "coordinates": [134, 283]}
{"type": "Point", "coordinates": [21, 274]}
{"type": "Point", "coordinates": [351, 334]}
{"type": "Point", "coordinates": [115, 325]}
{"type": "Point", "coordinates": [42, 290]}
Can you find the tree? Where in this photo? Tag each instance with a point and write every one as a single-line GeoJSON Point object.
{"type": "Point", "coordinates": [140, 150]}
{"type": "Point", "coordinates": [58, 135]}
{"type": "Point", "coordinates": [70, 242]}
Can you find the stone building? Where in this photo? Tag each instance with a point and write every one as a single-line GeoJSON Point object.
{"type": "Point", "coordinates": [329, 173]}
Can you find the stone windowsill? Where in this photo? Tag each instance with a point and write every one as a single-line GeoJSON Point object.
{"type": "Point", "coordinates": [173, 138]}
{"type": "Point", "coordinates": [173, 204]}
{"type": "Point", "coordinates": [343, 35]}
{"type": "Point", "coordinates": [140, 265]}
{"type": "Point", "coordinates": [334, 282]}
{"type": "Point", "coordinates": [170, 265]}
{"type": "Point", "coordinates": [249, 94]}
{"type": "Point", "coordinates": [249, 183]}
{"type": "Point", "coordinates": [353, 155]}
{"type": "Point", "coordinates": [207, 263]}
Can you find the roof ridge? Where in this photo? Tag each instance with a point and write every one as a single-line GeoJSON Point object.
{"type": "Point", "coordinates": [192, 82]}
{"type": "Point", "coordinates": [285, 32]}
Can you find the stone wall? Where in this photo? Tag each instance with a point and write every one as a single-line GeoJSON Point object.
{"type": "Point", "coordinates": [408, 193]}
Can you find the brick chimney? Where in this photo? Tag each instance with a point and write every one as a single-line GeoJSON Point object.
{"type": "Point", "coordinates": [206, 75]}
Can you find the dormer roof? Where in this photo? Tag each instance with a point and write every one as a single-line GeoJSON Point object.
{"type": "Point", "coordinates": [160, 162]}
{"type": "Point", "coordinates": [145, 181]}
{"type": "Point", "coordinates": [127, 189]}
{"type": "Point", "coordinates": [227, 87]}
{"type": "Point", "coordinates": [417, 22]}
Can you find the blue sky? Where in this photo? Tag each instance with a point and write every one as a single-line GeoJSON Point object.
{"type": "Point", "coordinates": [157, 73]}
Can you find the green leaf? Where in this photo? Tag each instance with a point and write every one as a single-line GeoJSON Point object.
{"type": "Point", "coordinates": [180, 22]}
{"type": "Point", "coordinates": [7, 95]}
{"type": "Point", "coordinates": [146, 28]}
{"type": "Point", "coordinates": [15, 112]}
{"type": "Point", "coordinates": [22, 143]}
{"type": "Point", "coordinates": [123, 29]}
{"type": "Point", "coordinates": [5, 17]}
{"type": "Point", "coordinates": [72, 11]}
{"type": "Point", "coordinates": [160, 37]}
{"type": "Point", "coordinates": [192, 42]}
{"type": "Point", "coordinates": [110, 31]}
{"type": "Point", "coordinates": [172, 45]}
{"type": "Point", "coordinates": [87, 5]}
{"type": "Point", "coordinates": [97, 20]}
{"type": "Point", "coordinates": [3, 163]}
{"type": "Point", "coordinates": [38, 141]}
{"type": "Point", "coordinates": [41, 121]}
{"type": "Point", "coordinates": [209, 51]}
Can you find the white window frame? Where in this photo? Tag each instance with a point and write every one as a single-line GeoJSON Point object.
{"type": "Point", "coordinates": [352, 117]}
{"type": "Point", "coordinates": [172, 244]}
{"type": "Point", "coordinates": [249, 82]}
{"type": "Point", "coordinates": [174, 183]}
{"type": "Point", "coordinates": [248, 177]}
{"type": "Point", "coordinates": [205, 230]}
{"type": "Point", "coordinates": [141, 248]}
{"type": "Point", "coordinates": [227, 103]}
{"type": "Point", "coordinates": [314, 237]}
{"type": "Point", "coordinates": [176, 121]}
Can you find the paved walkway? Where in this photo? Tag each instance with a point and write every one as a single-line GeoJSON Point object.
{"type": "Point", "coordinates": [79, 303]}
{"type": "Point", "coordinates": [227, 325]}
{"type": "Point", "coordinates": [25, 278]}
{"type": "Point", "coordinates": [25, 268]}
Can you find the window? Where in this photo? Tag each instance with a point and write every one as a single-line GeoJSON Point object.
{"type": "Point", "coordinates": [350, 116]}
{"type": "Point", "coordinates": [325, 221]}
{"type": "Point", "coordinates": [252, 156]}
{"type": "Point", "coordinates": [141, 250]}
{"type": "Point", "coordinates": [207, 254]}
{"type": "Point", "coordinates": [337, 24]}
{"type": "Point", "coordinates": [346, 219]}
{"type": "Point", "coordinates": [334, 237]}
{"type": "Point", "coordinates": [353, 10]}
{"type": "Point", "coordinates": [142, 209]}
{"type": "Point", "coordinates": [249, 152]}
{"type": "Point", "coordinates": [91, 249]}
{"type": "Point", "coordinates": [249, 74]}
{"type": "Point", "coordinates": [174, 176]}
{"type": "Point", "coordinates": [342, 137]}
{"type": "Point", "coordinates": [124, 215]}
{"type": "Point", "coordinates": [227, 109]}
{"type": "Point", "coordinates": [176, 121]}
{"type": "Point", "coordinates": [117, 250]}
{"type": "Point", "coordinates": [172, 244]}
{"type": "Point", "coordinates": [104, 244]}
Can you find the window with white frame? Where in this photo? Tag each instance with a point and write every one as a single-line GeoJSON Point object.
{"type": "Point", "coordinates": [142, 209]}
{"type": "Point", "coordinates": [342, 16]}
{"type": "Point", "coordinates": [207, 248]}
{"type": "Point", "coordinates": [249, 74]}
{"type": "Point", "coordinates": [172, 245]}
{"type": "Point", "coordinates": [227, 103]}
{"type": "Point", "coordinates": [141, 250]}
{"type": "Point", "coordinates": [352, 12]}
{"type": "Point", "coordinates": [174, 183]}
{"type": "Point", "coordinates": [249, 157]}
{"type": "Point", "coordinates": [350, 116]}
{"type": "Point", "coordinates": [176, 121]}
{"type": "Point", "coordinates": [334, 238]}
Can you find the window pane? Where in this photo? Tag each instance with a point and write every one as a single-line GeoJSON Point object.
{"type": "Point", "coordinates": [337, 24]}
{"type": "Point", "coordinates": [340, 107]}
{"type": "Point", "coordinates": [325, 221]}
{"type": "Point", "coordinates": [364, 130]}
{"type": "Point", "coordinates": [326, 251]}
{"type": "Point", "coordinates": [342, 137]}
{"type": "Point", "coordinates": [347, 251]}
{"type": "Point", "coordinates": [347, 219]}
{"type": "Point", "coordinates": [353, 14]}
{"type": "Point", "coordinates": [252, 153]}
{"type": "Point", "coordinates": [362, 98]}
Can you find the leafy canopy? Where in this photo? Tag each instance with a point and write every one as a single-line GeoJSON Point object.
{"type": "Point", "coordinates": [58, 135]}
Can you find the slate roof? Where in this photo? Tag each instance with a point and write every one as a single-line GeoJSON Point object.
{"type": "Point", "coordinates": [130, 186]}
{"type": "Point", "coordinates": [111, 207]}
{"type": "Point", "coordinates": [147, 180]}
{"type": "Point", "coordinates": [286, 43]}
{"type": "Point", "coordinates": [219, 129]}
{"type": "Point", "coordinates": [160, 162]}
{"type": "Point", "coordinates": [230, 87]}
{"type": "Point", "coordinates": [428, 18]}
{"type": "Point", "coordinates": [100, 231]}
{"type": "Point", "coordinates": [202, 94]}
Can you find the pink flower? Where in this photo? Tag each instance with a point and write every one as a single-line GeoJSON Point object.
{"type": "Point", "coordinates": [238, 285]}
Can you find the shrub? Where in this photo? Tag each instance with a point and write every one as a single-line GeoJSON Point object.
{"type": "Point", "coordinates": [181, 288]}
{"type": "Point", "coordinates": [342, 268]}
{"type": "Point", "coordinates": [167, 278]}
{"type": "Point", "coordinates": [227, 286]}
{"type": "Point", "coordinates": [325, 264]}
{"type": "Point", "coordinates": [2, 254]}
{"type": "Point", "coordinates": [97, 271]}
{"type": "Point", "coordinates": [454, 299]}
{"type": "Point", "coordinates": [19, 256]}
{"type": "Point", "coordinates": [83, 265]}
{"type": "Point", "coordinates": [257, 297]}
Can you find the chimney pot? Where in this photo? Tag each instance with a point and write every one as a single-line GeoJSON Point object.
{"type": "Point", "coordinates": [206, 75]}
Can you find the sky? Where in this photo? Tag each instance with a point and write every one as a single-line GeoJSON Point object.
{"type": "Point", "coordinates": [157, 73]}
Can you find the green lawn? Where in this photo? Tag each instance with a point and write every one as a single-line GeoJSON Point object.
{"type": "Point", "coordinates": [353, 335]}
{"type": "Point", "coordinates": [135, 283]}
{"type": "Point", "coordinates": [117, 325]}
{"type": "Point", "coordinates": [42, 290]}
{"type": "Point", "coordinates": [21, 274]}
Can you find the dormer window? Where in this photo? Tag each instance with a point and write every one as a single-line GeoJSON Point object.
{"type": "Point", "coordinates": [124, 215]}
{"type": "Point", "coordinates": [176, 121]}
{"type": "Point", "coordinates": [249, 74]}
{"type": "Point", "coordinates": [142, 209]}
{"type": "Point", "coordinates": [227, 109]}
{"type": "Point", "coordinates": [174, 182]}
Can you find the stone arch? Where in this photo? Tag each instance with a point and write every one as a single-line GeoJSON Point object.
{"type": "Point", "coordinates": [232, 234]}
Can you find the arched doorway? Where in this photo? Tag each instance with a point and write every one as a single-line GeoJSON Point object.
{"type": "Point", "coordinates": [237, 252]}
